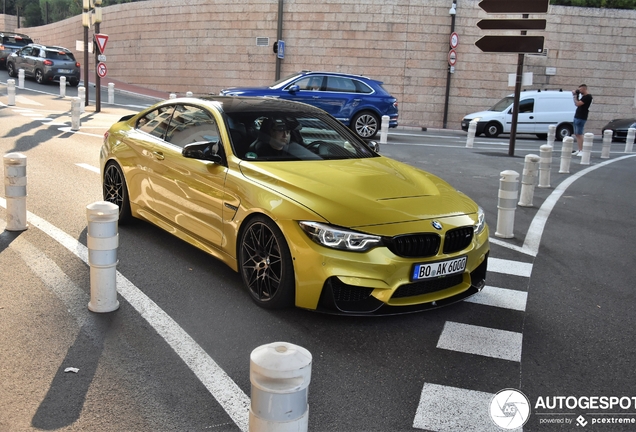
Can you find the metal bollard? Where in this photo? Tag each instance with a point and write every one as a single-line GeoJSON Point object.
{"type": "Point", "coordinates": [102, 241]}
{"type": "Point", "coordinates": [551, 135]}
{"type": "Point", "coordinates": [63, 86]}
{"type": "Point", "coordinates": [81, 94]}
{"type": "Point", "coordinates": [11, 92]}
{"type": "Point", "coordinates": [545, 153]}
{"type": "Point", "coordinates": [528, 180]}
{"type": "Point", "coordinates": [111, 93]}
{"type": "Point", "coordinates": [629, 142]}
{"type": "Point", "coordinates": [76, 107]}
{"type": "Point", "coordinates": [607, 144]}
{"type": "Point", "coordinates": [472, 129]}
{"type": "Point", "coordinates": [173, 96]}
{"type": "Point", "coordinates": [384, 130]}
{"type": "Point", "coordinates": [20, 78]}
{"type": "Point", "coordinates": [588, 142]}
{"type": "Point", "coordinates": [566, 155]}
{"type": "Point", "coordinates": [507, 204]}
{"type": "Point", "coordinates": [280, 373]}
{"type": "Point", "coordinates": [189, 94]}
{"type": "Point", "coordinates": [15, 191]}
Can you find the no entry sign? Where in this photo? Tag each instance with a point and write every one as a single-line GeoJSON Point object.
{"type": "Point", "coordinates": [101, 70]}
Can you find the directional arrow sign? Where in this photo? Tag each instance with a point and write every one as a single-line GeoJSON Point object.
{"type": "Point", "coordinates": [511, 44]}
{"type": "Point", "coordinates": [101, 40]}
{"type": "Point", "coordinates": [512, 24]}
{"type": "Point", "coordinates": [514, 6]}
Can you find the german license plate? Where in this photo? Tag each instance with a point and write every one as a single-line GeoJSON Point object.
{"type": "Point", "coordinates": [439, 269]}
{"type": "Point", "coordinates": [64, 70]}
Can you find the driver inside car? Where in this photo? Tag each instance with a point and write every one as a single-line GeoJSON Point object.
{"type": "Point", "coordinates": [274, 138]}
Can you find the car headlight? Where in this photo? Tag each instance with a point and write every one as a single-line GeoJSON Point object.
{"type": "Point", "coordinates": [481, 221]}
{"type": "Point", "coordinates": [476, 119]}
{"type": "Point", "coordinates": [339, 238]}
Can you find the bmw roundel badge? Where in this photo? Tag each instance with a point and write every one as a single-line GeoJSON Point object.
{"type": "Point", "coordinates": [436, 225]}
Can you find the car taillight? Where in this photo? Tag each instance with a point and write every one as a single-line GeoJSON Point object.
{"type": "Point", "coordinates": [77, 64]}
{"type": "Point", "coordinates": [48, 63]}
{"type": "Point", "coordinates": [105, 137]}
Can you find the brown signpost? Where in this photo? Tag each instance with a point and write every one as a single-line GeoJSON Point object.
{"type": "Point", "coordinates": [511, 44]}
{"type": "Point", "coordinates": [512, 24]}
{"type": "Point", "coordinates": [514, 6]}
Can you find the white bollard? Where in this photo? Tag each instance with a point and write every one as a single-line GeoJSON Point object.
{"type": "Point", "coordinates": [588, 142]}
{"type": "Point", "coordinates": [384, 130]}
{"type": "Point", "coordinates": [507, 204]}
{"type": "Point", "coordinates": [629, 142]}
{"type": "Point", "coordinates": [76, 107]}
{"type": "Point", "coordinates": [566, 155]}
{"type": "Point", "coordinates": [102, 241]}
{"type": "Point", "coordinates": [545, 153]}
{"type": "Point", "coordinates": [189, 94]}
{"type": "Point", "coordinates": [280, 373]}
{"type": "Point", "coordinates": [21, 78]}
{"type": "Point", "coordinates": [111, 93]}
{"type": "Point", "coordinates": [472, 129]}
{"type": "Point", "coordinates": [529, 180]}
{"type": "Point", "coordinates": [15, 191]}
{"type": "Point", "coordinates": [551, 135]}
{"type": "Point", "coordinates": [81, 94]}
{"type": "Point", "coordinates": [63, 86]}
{"type": "Point", "coordinates": [11, 92]}
{"type": "Point", "coordinates": [607, 144]}
{"type": "Point", "coordinates": [173, 96]}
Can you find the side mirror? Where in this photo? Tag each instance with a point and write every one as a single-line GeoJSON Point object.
{"type": "Point", "coordinates": [374, 145]}
{"type": "Point", "coordinates": [203, 150]}
{"type": "Point", "coordinates": [294, 88]}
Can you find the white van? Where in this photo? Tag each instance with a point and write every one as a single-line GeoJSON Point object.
{"type": "Point", "coordinates": [538, 109]}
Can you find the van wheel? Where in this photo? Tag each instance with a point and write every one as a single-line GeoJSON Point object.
{"type": "Point", "coordinates": [563, 131]}
{"type": "Point", "coordinates": [493, 129]}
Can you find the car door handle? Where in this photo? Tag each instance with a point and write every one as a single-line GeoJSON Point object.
{"type": "Point", "coordinates": [531, 117]}
{"type": "Point", "coordinates": [159, 155]}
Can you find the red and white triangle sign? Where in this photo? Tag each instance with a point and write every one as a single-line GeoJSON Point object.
{"type": "Point", "coordinates": [101, 40]}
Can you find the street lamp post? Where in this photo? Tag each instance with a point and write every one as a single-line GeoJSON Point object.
{"type": "Point", "coordinates": [452, 12]}
{"type": "Point", "coordinates": [86, 22]}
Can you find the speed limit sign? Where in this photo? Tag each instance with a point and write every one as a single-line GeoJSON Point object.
{"type": "Point", "coordinates": [101, 70]}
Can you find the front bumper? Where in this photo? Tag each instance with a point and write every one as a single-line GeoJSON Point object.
{"type": "Point", "coordinates": [481, 126]}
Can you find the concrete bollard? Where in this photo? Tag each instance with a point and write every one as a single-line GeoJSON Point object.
{"type": "Point", "coordinates": [588, 142]}
{"type": "Point", "coordinates": [607, 144]}
{"type": "Point", "coordinates": [629, 142]}
{"type": "Point", "coordinates": [384, 130]}
{"type": "Point", "coordinates": [507, 204]}
{"type": "Point", "coordinates": [551, 135]}
{"type": "Point", "coordinates": [566, 155]}
{"type": "Point", "coordinates": [63, 86]}
{"type": "Point", "coordinates": [529, 180]}
{"type": "Point", "coordinates": [15, 191]}
{"type": "Point", "coordinates": [472, 129]}
{"type": "Point", "coordinates": [173, 96]}
{"type": "Point", "coordinates": [76, 108]}
{"type": "Point", "coordinates": [81, 94]}
{"type": "Point", "coordinates": [11, 92]}
{"type": "Point", "coordinates": [102, 241]}
{"type": "Point", "coordinates": [111, 93]}
{"type": "Point", "coordinates": [545, 154]}
{"type": "Point", "coordinates": [20, 78]}
{"type": "Point", "coordinates": [280, 373]}
{"type": "Point", "coordinates": [189, 94]}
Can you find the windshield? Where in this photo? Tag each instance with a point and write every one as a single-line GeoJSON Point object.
{"type": "Point", "coordinates": [292, 136]}
{"type": "Point", "coordinates": [502, 104]}
{"type": "Point", "coordinates": [283, 81]}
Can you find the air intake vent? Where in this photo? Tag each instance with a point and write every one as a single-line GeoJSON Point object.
{"type": "Point", "coordinates": [414, 245]}
{"type": "Point", "coordinates": [262, 41]}
{"type": "Point", "coordinates": [458, 239]}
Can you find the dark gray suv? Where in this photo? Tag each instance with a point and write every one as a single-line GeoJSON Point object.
{"type": "Point", "coordinates": [10, 42]}
{"type": "Point", "coordinates": [45, 64]}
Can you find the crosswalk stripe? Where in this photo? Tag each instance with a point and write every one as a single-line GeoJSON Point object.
{"type": "Point", "coordinates": [515, 268]}
{"type": "Point", "coordinates": [451, 409]}
{"type": "Point", "coordinates": [500, 297]}
{"type": "Point", "coordinates": [484, 341]}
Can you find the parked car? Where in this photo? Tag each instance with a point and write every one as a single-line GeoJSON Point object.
{"type": "Point", "coordinates": [45, 64]}
{"type": "Point", "coordinates": [619, 128]}
{"type": "Point", "coordinates": [395, 240]}
{"type": "Point", "coordinates": [538, 109]}
{"type": "Point", "coordinates": [10, 42]}
{"type": "Point", "coordinates": [357, 101]}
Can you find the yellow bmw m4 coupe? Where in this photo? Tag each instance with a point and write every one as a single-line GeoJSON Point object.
{"type": "Point", "coordinates": [306, 212]}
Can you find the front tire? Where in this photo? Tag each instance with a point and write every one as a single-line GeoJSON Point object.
{"type": "Point", "coordinates": [564, 131]}
{"type": "Point", "coordinates": [493, 129]}
{"type": "Point", "coordinates": [365, 124]}
{"type": "Point", "coordinates": [11, 70]}
{"type": "Point", "coordinates": [265, 264]}
{"type": "Point", "coordinates": [115, 191]}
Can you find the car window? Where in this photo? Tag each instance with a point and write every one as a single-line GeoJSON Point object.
{"type": "Point", "coordinates": [362, 87]}
{"type": "Point", "coordinates": [16, 41]}
{"type": "Point", "coordinates": [156, 122]}
{"type": "Point", "coordinates": [58, 55]}
{"type": "Point", "coordinates": [26, 51]}
{"type": "Point", "coordinates": [340, 84]}
{"type": "Point", "coordinates": [190, 124]}
{"type": "Point", "coordinates": [309, 83]}
{"type": "Point", "coordinates": [526, 106]}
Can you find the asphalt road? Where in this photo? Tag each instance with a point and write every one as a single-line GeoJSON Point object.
{"type": "Point", "coordinates": [557, 317]}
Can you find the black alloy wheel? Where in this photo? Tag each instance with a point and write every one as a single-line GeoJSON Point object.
{"type": "Point", "coordinates": [39, 76]}
{"type": "Point", "coordinates": [365, 124]}
{"type": "Point", "coordinates": [11, 70]}
{"type": "Point", "coordinates": [115, 191]}
{"type": "Point", "coordinates": [265, 264]}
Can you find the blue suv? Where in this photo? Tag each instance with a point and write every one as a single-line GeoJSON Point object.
{"type": "Point", "coordinates": [357, 101]}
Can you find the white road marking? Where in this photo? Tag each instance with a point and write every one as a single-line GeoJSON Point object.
{"type": "Point", "coordinates": [88, 167]}
{"type": "Point", "coordinates": [451, 409]}
{"type": "Point", "coordinates": [484, 341]}
{"type": "Point", "coordinates": [67, 129]}
{"type": "Point", "coordinates": [501, 298]}
{"type": "Point", "coordinates": [233, 400]}
{"type": "Point", "coordinates": [515, 268]}
{"type": "Point", "coordinates": [26, 101]}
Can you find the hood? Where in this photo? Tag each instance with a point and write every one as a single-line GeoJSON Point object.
{"type": "Point", "coordinates": [488, 114]}
{"type": "Point", "coordinates": [362, 192]}
{"type": "Point", "coordinates": [245, 91]}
